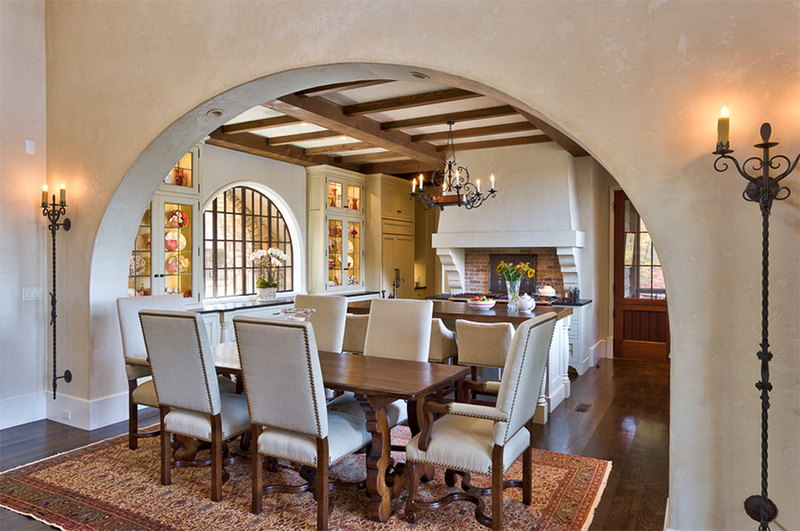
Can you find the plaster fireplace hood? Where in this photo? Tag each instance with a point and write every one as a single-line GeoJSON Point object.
{"type": "Point", "coordinates": [451, 246]}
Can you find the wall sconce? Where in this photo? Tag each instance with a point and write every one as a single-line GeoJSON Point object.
{"type": "Point", "coordinates": [53, 213]}
{"type": "Point", "coordinates": [762, 189]}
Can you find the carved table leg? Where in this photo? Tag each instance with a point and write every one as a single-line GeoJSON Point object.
{"type": "Point", "coordinates": [379, 460]}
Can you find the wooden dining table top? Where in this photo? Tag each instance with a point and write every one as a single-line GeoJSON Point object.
{"type": "Point", "coordinates": [461, 310]}
{"type": "Point", "coordinates": [368, 375]}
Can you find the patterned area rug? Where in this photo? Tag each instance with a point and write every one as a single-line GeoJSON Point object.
{"type": "Point", "coordinates": [108, 487]}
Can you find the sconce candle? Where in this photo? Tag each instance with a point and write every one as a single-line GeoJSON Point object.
{"type": "Point", "coordinates": [414, 186]}
{"type": "Point", "coordinates": [723, 128]}
{"type": "Point", "coordinates": [63, 194]}
{"type": "Point", "coordinates": [492, 178]}
{"type": "Point", "coordinates": [44, 196]}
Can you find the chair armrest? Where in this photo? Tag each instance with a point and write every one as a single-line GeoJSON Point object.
{"type": "Point", "coordinates": [486, 388]}
{"type": "Point", "coordinates": [478, 411]}
{"type": "Point", "coordinates": [430, 409]}
{"type": "Point", "coordinates": [137, 362]}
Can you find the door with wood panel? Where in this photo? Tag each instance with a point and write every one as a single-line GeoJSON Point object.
{"type": "Point", "coordinates": [641, 327]}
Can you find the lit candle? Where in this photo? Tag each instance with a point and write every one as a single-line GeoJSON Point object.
{"type": "Point", "coordinates": [492, 178]}
{"type": "Point", "coordinates": [479, 185]}
{"type": "Point", "coordinates": [63, 194]}
{"type": "Point", "coordinates": [44, 196]}
{"type": "Point", "coordinates": [420, 183]}
{"type": "Point", "coordinates": [414, 186]}
{"type": "Point", "coordinates": [723, 126]}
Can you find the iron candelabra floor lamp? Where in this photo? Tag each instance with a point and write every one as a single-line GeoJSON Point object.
{"type": "Point", "coordinates": [762, 189]}
{"type": "Point", "coordinates": [53, 213]}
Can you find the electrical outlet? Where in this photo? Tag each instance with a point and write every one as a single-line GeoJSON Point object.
{"type": "Point", "coordinates": [30, 147]}
{"type": "Point", "coordinates": [31, 294]}
{"type": "Point", "coordinates": [66, 414]}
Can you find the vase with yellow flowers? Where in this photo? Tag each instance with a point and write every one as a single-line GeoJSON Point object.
{"type": "Point", "coordinates": [513, 275]}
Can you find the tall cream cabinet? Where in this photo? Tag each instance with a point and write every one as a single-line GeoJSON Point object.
{"type": "Point", "coordinates": [336, 230]}
{"type": "Point", "coordinates": [389, 207]}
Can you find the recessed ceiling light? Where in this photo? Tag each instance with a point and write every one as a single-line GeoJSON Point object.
{"type": "Point", "coordinates": [420, 75]}
{"type": "Point", "coordinates": [303, 124]}
{"type": "Point", "coordinates": [214, 113]}
{"type": "Point", "coordinates": [344, 137]}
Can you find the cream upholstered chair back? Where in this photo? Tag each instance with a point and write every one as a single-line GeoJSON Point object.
{"type": "Point", "coordinates": [180, 355]}
{"type": "Point", "coordinates": [443, 342]}
{"type": "Point", "coordinates": [355, 333]}
{"type": "Point", "coordinates": [523, 374]}
{"type": "Point", "coordinates": [483, 344]}
{"type": "Point", "coordinates": [282, 357]}
{"type": "Point", "coordinates": [131, 330]}
{"type": "Point", "coordinates": [399, 329]}
{"type": "Point", "coordinates": [328, 320]}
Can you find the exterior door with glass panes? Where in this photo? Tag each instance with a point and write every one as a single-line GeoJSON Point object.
{"type": "Point", "coordinates": [167, 240]}
{"type": "Point", "coordinates": [641, 326]}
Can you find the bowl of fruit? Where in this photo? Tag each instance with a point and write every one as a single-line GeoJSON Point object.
{"type": "Point", "coordinates": [481, 302]}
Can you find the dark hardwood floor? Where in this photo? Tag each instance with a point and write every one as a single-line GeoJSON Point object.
{"type": "Point", "coordinates": [627, 422]}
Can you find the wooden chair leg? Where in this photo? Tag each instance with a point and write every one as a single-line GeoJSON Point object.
{"type": "Point", "coordinates": [216, 458]}
{"type": "Point", "coordinates": [412, 476]}
{"type": "Point", "coordinates": [257, 469]}
{"type": "Point", "coordinates": [323, 490]}
{"type": "Point", "coordinates": [133, 417]}
{"type": "Point", "coordinates": [527, 472]}
{"type": "Point", "coordinates": [497, 488]}
{"type": "Point", "coordinates": [166, 449]}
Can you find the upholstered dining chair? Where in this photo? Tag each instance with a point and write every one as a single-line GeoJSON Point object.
{"type": "Point", "coordinates": [483, 345]}
{"type": "Point", "coordinates": [398, 329]}
{"type": "Point", "coordinates": [188, 392]}
{"type": "Point", "coordinates": [136, 364]}
{"type": "Point", "coordinates": [355, 333]}
{"type": "Point", "coordinates": [485, 440]}
{"type": "Point", "coordinates": [288, 416]}
{"type": "Point", "coordinates": [328, 320]}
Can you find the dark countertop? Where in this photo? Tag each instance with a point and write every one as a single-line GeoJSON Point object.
{"type": "Point", "coordinates": [249, 304]}
{"type": "Point", "coordinates": [450, 310]}
{"type": "Point", "coordinates": [555, 302]}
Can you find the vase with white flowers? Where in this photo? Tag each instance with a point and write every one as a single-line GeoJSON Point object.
{"type": "Point", "coordinates": [268, 262]}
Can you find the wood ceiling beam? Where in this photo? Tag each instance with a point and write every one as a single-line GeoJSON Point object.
{"type": "Point", "coordinates": [302, 137]}
{"type": "Point", "coordinates": [410, 101]}
{"type": "Point", "coordinates": [338, 148]}
{"type": "Point", "coordinates": [255, 125]}
{"type": "Point", "coordinates": [257, 145]}
{"type": "Point", "coordinates": [324, 113]}
{"type": "Point", "coordinates": [384, 156]}
{"type": "Point", "coordinates": [515, 127]}
{"type": "Point", "coordinates": [334, 88]}
{"type": "Point", "coordinates": [566, 143]}
{"type": "Point", "coordinates": [398, 167]}
{"type": "Point", "coordinates": [500, 142]}
{"type": "Point", "coordinates": [463, 116]}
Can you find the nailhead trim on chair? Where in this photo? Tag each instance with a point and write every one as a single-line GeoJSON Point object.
{"type": "Point", "coordinates": [487, 472]}
{"type": "Point", "coordinates": [475, 416]}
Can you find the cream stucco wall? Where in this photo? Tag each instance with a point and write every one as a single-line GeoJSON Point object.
{"type": "Point", "coordinates": [639, 84]}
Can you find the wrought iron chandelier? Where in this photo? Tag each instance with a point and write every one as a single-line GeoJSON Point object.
{"type": "Point", "coordinates": [450, 185]}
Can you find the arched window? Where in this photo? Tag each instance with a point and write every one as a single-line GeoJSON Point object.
{"type": "Point", "coordinates": [239, 221]}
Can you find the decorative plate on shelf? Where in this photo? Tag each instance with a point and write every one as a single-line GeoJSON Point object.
{"type": "Point", "coordinates": [174, 241]}
{"type": "Point", "coordinates": [349, 262]}
{"type": "Point", "coordinates": [138, 266]}
{"type": "Point", "coordinates": [177, 218]}
{"type": "Point", "coordinates": [172, 266]}
{"type": "Point", "coordinates": [349, 246]}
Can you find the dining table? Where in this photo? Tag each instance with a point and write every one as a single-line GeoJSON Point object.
{"type": "Point", "coordinates": [376, 383]}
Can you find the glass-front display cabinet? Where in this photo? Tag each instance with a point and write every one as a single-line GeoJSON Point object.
{"type": "Point", "coordinates": [335, 226]}
{"type": "Point", "coordinates": [165, 247]}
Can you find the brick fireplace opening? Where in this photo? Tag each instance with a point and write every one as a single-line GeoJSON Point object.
{"type": "Point", "coordinates": [477, 267]}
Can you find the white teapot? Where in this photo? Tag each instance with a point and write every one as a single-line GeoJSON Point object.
{"type": "Point", "coordinates": [526, 303]}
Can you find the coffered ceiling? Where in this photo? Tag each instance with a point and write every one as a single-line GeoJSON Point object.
{"type": "Point", "coordinates": [394, 127]}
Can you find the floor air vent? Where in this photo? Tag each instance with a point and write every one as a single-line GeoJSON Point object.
{"type": "Point", "coordinates": [582, 407]}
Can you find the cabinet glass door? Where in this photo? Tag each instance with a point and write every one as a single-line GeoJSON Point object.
{"type": "Point", "coordinates": [353, 265]}
{"type": "Point", "coordinates": [141, 259]}
{"type": "Point", "coordinates": [178, 225]}
{"type": "Point", "coordinates": [334, 252]}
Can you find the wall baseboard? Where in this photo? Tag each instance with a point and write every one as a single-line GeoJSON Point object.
{"type": "Point", "coordinates": [88, 414]}
{"type": "Point", "coordinates": [597, 352]}
{"type": "Point", "coordinates": [22, 409]}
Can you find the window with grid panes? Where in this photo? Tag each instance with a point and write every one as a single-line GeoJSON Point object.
{"type": "Point", "coordinates": [239, 221]}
